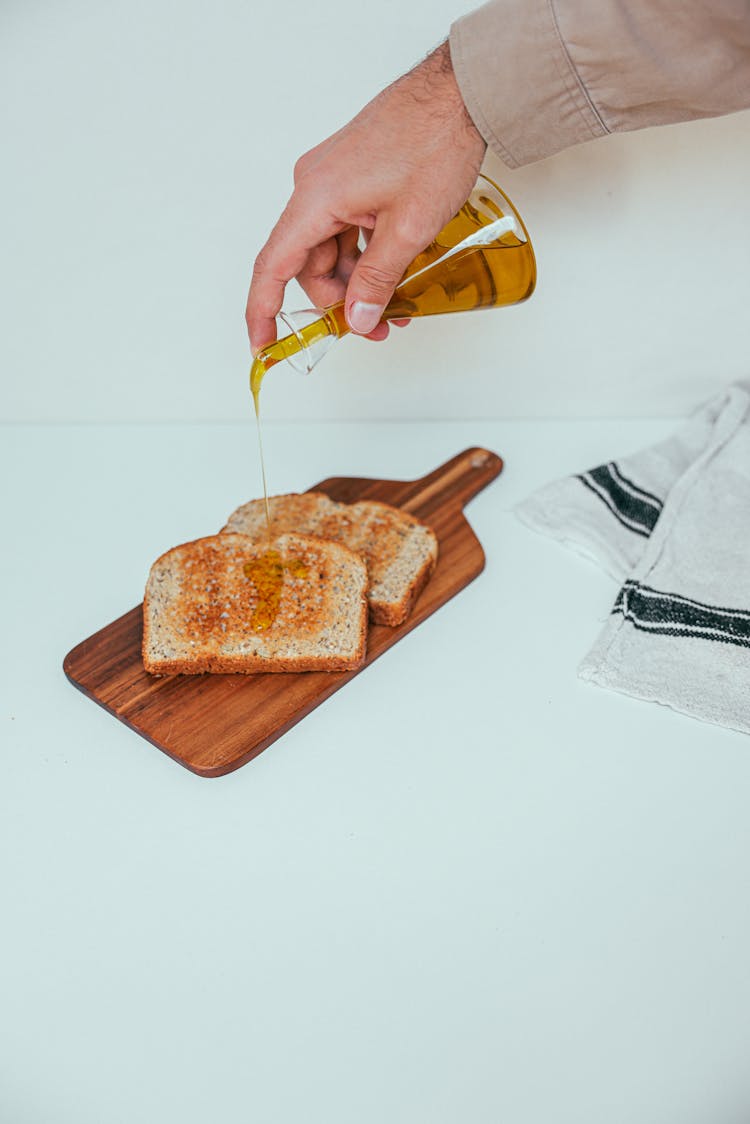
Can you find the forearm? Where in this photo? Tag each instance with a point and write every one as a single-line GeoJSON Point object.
{"type": "Point", "coordinates": [541, 75]}
{"type": "Point", "coordinates": [439, 89]}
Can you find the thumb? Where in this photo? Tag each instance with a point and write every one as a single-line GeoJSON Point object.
{"type": "Point", "coordinates": [378, 271]}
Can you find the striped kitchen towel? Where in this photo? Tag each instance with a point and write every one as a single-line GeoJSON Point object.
{"type": "Point", "coordinates": [672, 524]}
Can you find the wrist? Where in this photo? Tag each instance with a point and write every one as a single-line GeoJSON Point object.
{"type": "Point", "coordinates": [443, 91]}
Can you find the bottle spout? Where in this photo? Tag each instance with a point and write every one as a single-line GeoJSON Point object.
{"type": "Point", "coordinates": [310, 338]}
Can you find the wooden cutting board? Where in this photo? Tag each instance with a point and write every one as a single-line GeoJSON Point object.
{"type": "Point", "coordinates": [212, 724]}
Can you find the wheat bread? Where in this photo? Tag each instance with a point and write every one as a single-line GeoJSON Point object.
{"type": "Point", "coordinates": [229, 603]}
{"type": "Point", "coordinates": [400, 552]}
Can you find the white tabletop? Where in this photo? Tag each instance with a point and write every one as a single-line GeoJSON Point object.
{"type": "Point", "coordinates": [466, 888]}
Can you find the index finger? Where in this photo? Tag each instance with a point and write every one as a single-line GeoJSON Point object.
{"type": "Point", "coordinates": [284, 255]}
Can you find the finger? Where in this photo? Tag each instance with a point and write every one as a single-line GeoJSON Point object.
{"type": "Point", "coordinates": [395, 242]}
{"type": "Point", "coordinates": [379, 332]}
{"type": "Point", "coordinates": [349, 253]}
{"type": "Point", "coordinates": [300, 229]}
{"type": "Point", "coordinates": [329, 267]}
{"type": "Point", "coordinates": [324, 291]}
{"type": "Point", "coordinates": [319, 277]}
{"type": "Point", "coordinates": [265, 298]}
{"type": "Point", "coordinates": [398, 323]}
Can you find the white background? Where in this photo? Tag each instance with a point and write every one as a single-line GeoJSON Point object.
{"type": "Point", "coordinates": [468, 887]}
{"type": "Point", "coordinates": [147, 149]}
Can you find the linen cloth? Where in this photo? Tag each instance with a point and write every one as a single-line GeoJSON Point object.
{"type": "Point", "coordinates": [672, 525]}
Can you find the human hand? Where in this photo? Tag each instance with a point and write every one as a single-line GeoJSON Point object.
{"type": "Point", "coordinates": [397, 172]}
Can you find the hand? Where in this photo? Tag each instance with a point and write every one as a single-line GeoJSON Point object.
{"type": "Point", "coordinates": [397, 172]}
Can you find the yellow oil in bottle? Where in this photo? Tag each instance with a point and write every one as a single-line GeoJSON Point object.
{"type": "Point", "coordinates": [454, 274]}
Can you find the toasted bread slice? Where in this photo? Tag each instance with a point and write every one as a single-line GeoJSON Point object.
{"type": "Point", "coordinates": [400, 552]}
{"type": "Point", "coordinates": [292, 512]}
{"type": "Point", "coordinates": [227, 603]}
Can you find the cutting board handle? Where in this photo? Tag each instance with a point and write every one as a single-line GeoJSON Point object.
{"type": "Point", "coordinates": [455, 482]}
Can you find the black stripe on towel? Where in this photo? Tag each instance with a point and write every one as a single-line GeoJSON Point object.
{"type": "Point", "coordinates": [669, 614]}
{"type": "Point", "coordinates": [631, 506]}
{"type": "Point", "coordinates": [647, 497]}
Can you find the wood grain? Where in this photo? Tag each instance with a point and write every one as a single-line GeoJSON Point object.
{"type": "Point", "coordinates": [213, 724]}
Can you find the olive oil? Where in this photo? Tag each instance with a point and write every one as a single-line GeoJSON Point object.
{"type": "Point", "coordinates": [256, 401]}
{"type": "Point", "coordinates": [266, 572]}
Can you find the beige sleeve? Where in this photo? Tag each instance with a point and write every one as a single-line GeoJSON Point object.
{"type": "Point", "coordinates": [540, 75]}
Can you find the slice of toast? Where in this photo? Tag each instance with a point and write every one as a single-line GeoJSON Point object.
{"type": "Point", "coordinates": [400, 552]}
{"type": "Point", "coordinates": [227, 603]}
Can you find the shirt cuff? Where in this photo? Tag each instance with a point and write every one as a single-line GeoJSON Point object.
{"type": "Point", "coordinates": [518, 82]}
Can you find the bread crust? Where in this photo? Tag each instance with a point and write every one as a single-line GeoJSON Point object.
{"type": "Point", "coordinates": [249, 666]}
{"type": "Point", "coordinates": [393, 614]}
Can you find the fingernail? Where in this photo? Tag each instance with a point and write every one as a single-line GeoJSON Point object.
{"type": "Point", "coordinates": [363, 316]}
